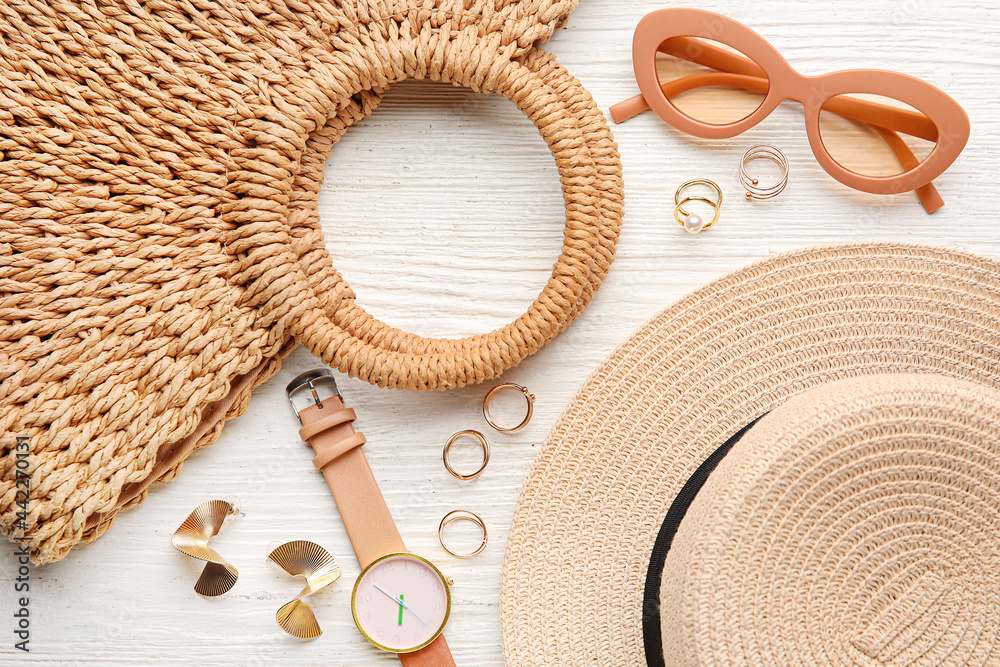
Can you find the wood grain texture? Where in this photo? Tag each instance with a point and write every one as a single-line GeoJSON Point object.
{"type": "Point", "coordinates": [444, 213]}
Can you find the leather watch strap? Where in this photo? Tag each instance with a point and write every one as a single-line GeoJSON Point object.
{"type": "Point", "coordinates": [435, 654]}
{"type": "Point", "coordinates": [366, 517]}
{"type": "Point", "coordinates": [329, 428]}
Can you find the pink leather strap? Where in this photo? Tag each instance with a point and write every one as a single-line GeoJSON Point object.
{"type": "Point", "coordinates": [327, 421]}
{"type": "Point", "coordinates": [329, 429]}
{"type": "Point", "coordinates": [435, 654]}
{"type": "Point", "coordinates": [338, 450]}
{"type": "Point", "coordinates": [367, 519]}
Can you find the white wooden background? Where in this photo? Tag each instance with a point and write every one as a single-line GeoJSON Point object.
{"type": "Point", "coordinates": [446, 216]}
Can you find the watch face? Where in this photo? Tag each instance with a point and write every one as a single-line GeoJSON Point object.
{"type": "Point", "coordinates": [401, 603]}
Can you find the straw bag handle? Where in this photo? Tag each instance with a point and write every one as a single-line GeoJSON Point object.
{"type": "Point", "coordinates": [345, 336]}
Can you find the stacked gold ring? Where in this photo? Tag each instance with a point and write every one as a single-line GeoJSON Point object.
{"type": "Point", "coordinates": [692, 222]}
{"type": "Point", "coordinates": [753, 187]}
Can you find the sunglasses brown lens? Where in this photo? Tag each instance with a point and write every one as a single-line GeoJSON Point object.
{"type": "Point", "coordinates": [709, 81]}
{"type": "Point", "coordinates": [874, 135]}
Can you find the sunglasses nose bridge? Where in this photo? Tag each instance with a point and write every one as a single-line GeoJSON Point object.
{"type": "Point", "coordinates": [789, 84]}
{"type": "Point", "coordinates": [799, 95]}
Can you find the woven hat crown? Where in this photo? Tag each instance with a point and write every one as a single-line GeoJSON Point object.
{"type": "Point", "coordinates": [856, 523]}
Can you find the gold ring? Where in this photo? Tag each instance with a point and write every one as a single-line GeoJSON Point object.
{"type": "Point", "coordinates": [692, 222]}
{"type": "Point", "coordinates": [462, 515]}
{"type": "Point", "coordinates": [528, 396]}
{"type": "Point", "coordinates": [753, 187]}
{"type": "Point", "coordinates": [486, 453]}
{"type": "Point", "coordinates": [698, 181]}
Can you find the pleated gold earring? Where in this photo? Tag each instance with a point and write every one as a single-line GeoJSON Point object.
{"type": "Point", "coordinates": [305, 559]}
{"type": "Point", "coordinates": [192, 539]}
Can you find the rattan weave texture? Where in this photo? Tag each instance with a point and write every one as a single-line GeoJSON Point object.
{"type": "Point", "coordinates": [160, 247]}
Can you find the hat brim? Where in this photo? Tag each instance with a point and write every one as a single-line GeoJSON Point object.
{"type": "Point", "coordinates": [688, 380]}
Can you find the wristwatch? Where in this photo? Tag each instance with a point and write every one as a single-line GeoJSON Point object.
{"type": "Point", "coordinates": [401, 602]}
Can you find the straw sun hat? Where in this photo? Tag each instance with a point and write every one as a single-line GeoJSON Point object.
{"type": "Point", "coordinates": [798, 464]}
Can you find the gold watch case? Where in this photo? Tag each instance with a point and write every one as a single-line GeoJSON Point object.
{"type": "Point", "coordinates": [445, 581]}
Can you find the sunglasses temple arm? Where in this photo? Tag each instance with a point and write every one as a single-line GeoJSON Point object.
{"type": "Point", "coordinates": [928, 194]}
{"type": "Point", "coordinates": [929, 197]}
{"type": "Point", "coordinates": [696, 52]}
{"type": "Point", "coordinates": [630, 108]}
{"type": "Point", "coordinates": [634, 106]}
{"type": "Point", "coordinates": [711, 56]}
{"type": "Point", "coordinates": [876, 114]}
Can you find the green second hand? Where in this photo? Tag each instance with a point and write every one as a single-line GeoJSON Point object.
{"type": "Point", "coordinates": [400, 610]}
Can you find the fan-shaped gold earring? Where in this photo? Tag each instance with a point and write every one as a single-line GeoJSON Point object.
{"type": "Point", "coordinates": [192, 539]}
{"type": "Point", "coordinates": [301, 558]}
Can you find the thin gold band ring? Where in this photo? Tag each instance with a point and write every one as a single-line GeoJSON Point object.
{"type": "Point", "coordinates": [483, 442]}
{"type": "Point", "coordinates": [528, 396]}
{"type": "Point", "coordinates": [462, 515]}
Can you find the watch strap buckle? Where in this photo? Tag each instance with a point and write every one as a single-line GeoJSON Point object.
{"type": "Point", "coordinates": [311, 380]}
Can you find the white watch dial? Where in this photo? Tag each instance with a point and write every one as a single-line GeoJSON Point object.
{"type": "Point", "coordinates": [401, 603]}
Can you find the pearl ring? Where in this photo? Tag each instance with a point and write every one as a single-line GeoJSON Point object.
{"type": "Point", "coordinates": [692, 222]}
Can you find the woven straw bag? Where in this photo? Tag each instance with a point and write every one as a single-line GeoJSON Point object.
{"type": "Point", "coordinates": [160, 247]}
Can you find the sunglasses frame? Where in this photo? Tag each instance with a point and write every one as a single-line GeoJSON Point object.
{"type": "Point", "coordinates": [813, 92]}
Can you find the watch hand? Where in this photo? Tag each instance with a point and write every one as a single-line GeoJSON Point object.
{"type": "Point", "coordinates": [399, 601]}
